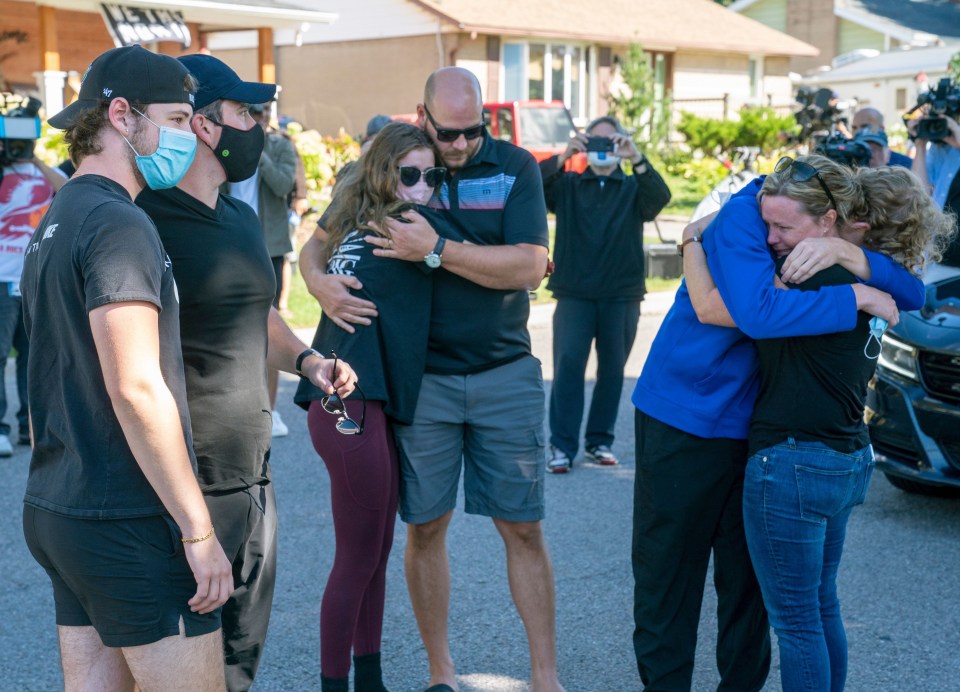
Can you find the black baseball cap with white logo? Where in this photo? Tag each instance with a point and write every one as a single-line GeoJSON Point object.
{"type": "Point", "coordinates": [131, 72]}
{"type": "Point", "coordinates": [218, 81]}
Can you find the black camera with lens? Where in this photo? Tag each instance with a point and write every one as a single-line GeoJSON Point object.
{"type": "Point", "coordinates": [944, 100]}
{"type": "Point", "coordinates": [818, 112]}
{"type": "Point", "coordinates": [19, 129]}
{"type": "Point", "coordinates": [843, 150]}
{"type": "Point", "coordinates": [601, 144]}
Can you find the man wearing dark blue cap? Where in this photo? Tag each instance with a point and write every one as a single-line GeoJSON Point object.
{"type": "Point", "coordinates": [229, 333]}
{"type": "Point", "coordinates": [113, 511]}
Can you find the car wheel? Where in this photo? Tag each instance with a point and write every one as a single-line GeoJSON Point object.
{"type": "Point", "coordinates": [917, 488]}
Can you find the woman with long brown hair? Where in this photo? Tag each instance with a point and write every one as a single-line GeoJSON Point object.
{"type": "Point", "coordinates": [355, 437]}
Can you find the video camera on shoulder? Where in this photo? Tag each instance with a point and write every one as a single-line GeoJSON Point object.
{"type": "Point", "coordinates": [19, 128]}
{"type": "Point", "coordinates": [604, 144]}
{"type": "Point", "coordinates": [819, 111]}
{"type": "Point", "coordinates": [853, 152]}
{"type": "Point", "coordinates": [944, 100]}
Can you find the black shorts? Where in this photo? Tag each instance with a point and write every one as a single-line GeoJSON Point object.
{"type": "Point", "coordinates": [127, 578]}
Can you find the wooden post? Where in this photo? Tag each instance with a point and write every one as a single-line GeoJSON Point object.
{"type": "Point", "coordinates": [48, 38]}
{"type": "Point", "coordinates": [268, 68]}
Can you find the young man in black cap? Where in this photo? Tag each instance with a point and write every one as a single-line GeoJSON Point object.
{"type": "Point", "coordinates": [227, 286]}
{"type": "Point", "coordinates": [113, 510]}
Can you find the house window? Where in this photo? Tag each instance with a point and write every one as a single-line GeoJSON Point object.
{"type": "Point", "coordinates": [552, 72]}
{"type": "Point", "coordinates": [536, 70]}
{"type": "Point", "coordinates": [755, 71]}
{"type": "Point", "coordinates": [901, 97]}
{"type": "Point", "coordinates": [512, 72]}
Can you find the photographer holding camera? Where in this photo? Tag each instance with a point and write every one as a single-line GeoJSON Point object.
{"type": "Point", "coordinates": [598, 281]}
{"type": "Point", "coordinates": [937, 161]}
{"type": "Point", "coordinates": [27, 186]}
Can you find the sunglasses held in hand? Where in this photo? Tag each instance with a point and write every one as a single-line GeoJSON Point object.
{"type": "Point", "coordinates": [332, 403]}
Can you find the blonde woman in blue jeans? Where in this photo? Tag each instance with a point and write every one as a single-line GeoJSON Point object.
{"type": "Point", "coordinates": [810, 458]}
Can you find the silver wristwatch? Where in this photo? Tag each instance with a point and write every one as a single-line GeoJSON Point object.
{"type": "Point", "coordinates": [433, 260]}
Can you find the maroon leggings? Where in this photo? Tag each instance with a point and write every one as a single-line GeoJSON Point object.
{"type": "Point", "coordinates": [364, 477]}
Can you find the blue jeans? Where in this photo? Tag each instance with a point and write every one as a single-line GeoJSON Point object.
{"type": "Point", "coordinates": [797, 498]}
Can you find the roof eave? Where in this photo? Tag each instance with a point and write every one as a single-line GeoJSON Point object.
{"type": "Point", "coordinates": [799, 48]}
{"type": "Point", "coordinates": [216, 14]}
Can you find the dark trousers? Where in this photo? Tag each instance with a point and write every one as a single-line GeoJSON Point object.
{"type": "Point", "coordinates": [688, 502]}
{"type": "Point", "coordinates": [22, 345]}
{"type": "Point", "coordinates": [11, 320]}
{"type": "Point", "coordinates": [246, 524]}
{"type": "Point", "coordinates": [576, 325]}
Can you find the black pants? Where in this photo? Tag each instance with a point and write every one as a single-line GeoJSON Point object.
{"type": "Point", "coordinates": [576, 324]}
{"type": "Point", "coordinates": [246, 524]}
{"type": "Point", "coordinates": [687, 503]}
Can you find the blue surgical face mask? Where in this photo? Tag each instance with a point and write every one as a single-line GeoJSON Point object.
{"type": "Point", "coordinates": [878, 326]}
{"type": "Point", "coordinates": [169, 163]}
{"type": "Point", "coordinates": [602, 159]}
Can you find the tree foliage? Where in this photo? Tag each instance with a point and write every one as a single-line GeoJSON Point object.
{"type": "Point", "coordinates": [636, 103]}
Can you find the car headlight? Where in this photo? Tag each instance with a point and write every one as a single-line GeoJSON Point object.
{"type": "Point", "coordinates": [899, 357]}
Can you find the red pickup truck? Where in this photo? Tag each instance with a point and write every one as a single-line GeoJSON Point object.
{"type": "Point", "coordinates": [541, 127]}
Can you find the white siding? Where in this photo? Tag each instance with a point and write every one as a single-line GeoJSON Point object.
{"type": "Point", "coordinates": [358, 20]}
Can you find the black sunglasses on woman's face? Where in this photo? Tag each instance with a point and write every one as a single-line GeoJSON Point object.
{"type": "Point", "coordinates": [410, 175]}
{"type": "Point", "coordinates": [332, 403]}
{"type": "Point", "coordinates": [802, 172]}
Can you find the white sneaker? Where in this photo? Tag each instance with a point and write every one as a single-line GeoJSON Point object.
{"type": "Point", "coordinates": [280, 428]}
{"type": "Point", "coordinates": [557, 461]}
{"type": "Point", "coordinates": [6, 449]}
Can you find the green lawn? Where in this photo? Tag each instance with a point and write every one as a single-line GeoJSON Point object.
{"type": "Point", "coordinates": [306, 311]}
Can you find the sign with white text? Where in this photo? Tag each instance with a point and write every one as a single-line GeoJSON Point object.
{"type": "Point", "coordinates": [134, 25]}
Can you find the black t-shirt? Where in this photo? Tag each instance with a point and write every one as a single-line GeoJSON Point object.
{"type": "Point", "coordinates": [226, 284]}
{"type": "Point", "coordinates": [813, 388]}
{"type": "Point", "coordinates": [389, 355]}
{"type": "Point", "coordinates": [93, 248]}
{"type": "Point", "coordinates": [496, 199]}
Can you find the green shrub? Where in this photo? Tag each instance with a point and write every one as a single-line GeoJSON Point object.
{"type": "Point", "coordinates": [756, 127]}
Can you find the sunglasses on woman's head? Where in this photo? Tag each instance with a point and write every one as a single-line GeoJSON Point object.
{"type": "Point", "coordinates": [332, 403]}
{"type": "Point", "coordinates": [410, 175]}
{"type": "Point", "coordinates": [446, 134]}
{"type": "Point", "coordinates": [802, 172]}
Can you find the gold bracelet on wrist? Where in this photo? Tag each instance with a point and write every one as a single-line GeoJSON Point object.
{"type": "Point", "coordinates": [197, 540]}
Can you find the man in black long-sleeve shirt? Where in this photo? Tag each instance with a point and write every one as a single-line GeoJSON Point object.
{"type": "Point", "coordinates": [598, 281]}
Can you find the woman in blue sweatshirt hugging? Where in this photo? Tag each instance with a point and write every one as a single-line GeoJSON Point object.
{"type": "Point", "coordinates": [810, 457]}
{"type": "Point", "coordinates": [695, 398]}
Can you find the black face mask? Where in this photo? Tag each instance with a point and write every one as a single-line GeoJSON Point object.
{"type": "Point", "coordinates": [239, 151]}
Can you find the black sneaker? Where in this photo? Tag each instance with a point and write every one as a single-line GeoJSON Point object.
{"type": "Point", "coordinates": [601, 454]}
{"type": "Point", "coordinates": [24, 439]}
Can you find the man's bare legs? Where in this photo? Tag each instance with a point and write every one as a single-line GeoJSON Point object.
{"type": "Point", "coordinates": [88, 665]}
{"type": "Point", "coordinates": [531, 584]}
{"type": "Point", "coordinates": [428, 581]}
{"type": "Point", "coordinates": [173, 663]}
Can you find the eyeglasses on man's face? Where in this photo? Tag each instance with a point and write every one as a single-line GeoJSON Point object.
{"type": "Point", "coordinates": [447, 134]}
